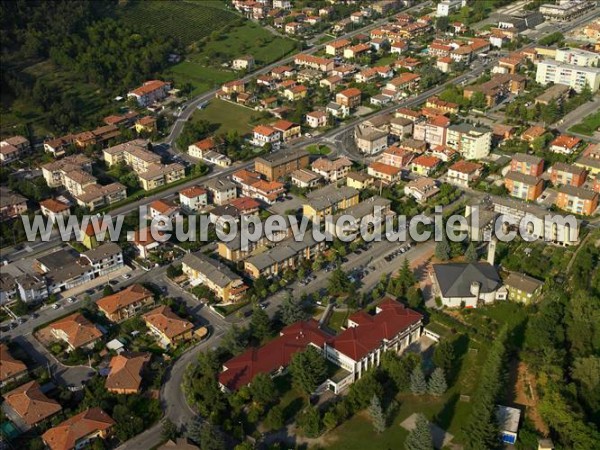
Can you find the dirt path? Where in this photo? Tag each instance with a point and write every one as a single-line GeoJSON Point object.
{"type": "Point", "coordinates": [526, 394]}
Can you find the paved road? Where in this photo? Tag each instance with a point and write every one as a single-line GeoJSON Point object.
{"type": "Point", "coordinates": [576, 116]}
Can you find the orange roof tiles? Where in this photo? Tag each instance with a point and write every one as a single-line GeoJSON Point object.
{"type": "Point", "coordinates": [465, 167]}
{"type": "Point", "coordinates": [426, 161]}
{"type": "Point", "coordinates": [9, 366]}
{"type": "Point", "coordinates": [131, 294]}
{"type": "Point", "coordinates": [78, 329]}
{"type": "Point", "coordinates": [126, 372]}
{"type": "Point", "coordinates": [193, 192]}
{"type": "Point", "coordinates": [65, 435]}
{"type": "Point", "coordinates": [167, 322]}
{"type": "Point", "coordinates": [30, 403]}
{"type": "Point", "coordinates": [384, 168]}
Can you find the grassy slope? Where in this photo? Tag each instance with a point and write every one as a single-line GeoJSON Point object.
{"type": "Point", "coordinates": [227, 115]}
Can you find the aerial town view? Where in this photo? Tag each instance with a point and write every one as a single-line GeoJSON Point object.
{"type": "Point", "coordinates": [300, 224]}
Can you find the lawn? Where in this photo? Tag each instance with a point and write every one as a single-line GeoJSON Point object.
{"type": "Point", "coordinates": [337, 320]}
{"type": "Point", "coordinates": [587, 126]}
{"type": "Point", "coordinates": [318, 149]}
{"type": "Point", "coordinates": [229, 116]}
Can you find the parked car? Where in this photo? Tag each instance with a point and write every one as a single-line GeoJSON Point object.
{"type": "Point", "coordinates": [55, 306]}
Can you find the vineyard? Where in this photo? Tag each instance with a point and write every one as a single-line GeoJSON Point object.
{"type": "Point", "coordinates": [186, 21]}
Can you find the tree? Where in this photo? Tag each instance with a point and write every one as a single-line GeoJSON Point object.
{"type": "Point", "coordinates": [363, 390]}
{"type": "Point", "coordinates": [263, 389]}
{"type": "Point", "coordinates": [419, 437]}
{"type": "Point", "coordinates": [339, 283]}
{"type": "Point", "coordinates": [443, 355]}
{"type": "Point", "coordinates": [260, 324]}
{"type": "Point", "coordinates": [309, 422]}
{"type": "Point", "coordinates": [414, 297]}
{"type": "Point", "coordinates": [442, 249]}
{"type": "Point", "coordinates": [210, 438]}
{"type": "Point", "coordinates": [174, 271]}
{"type": "Point", "coordinates": [442, 23]}
{"type": "Point", "coordinates": [308, 369]}
{"type": "Point", "coordinates": [437, 383]}
{"type": "Point", "coordinates": [418, 385]}
{"type": "Point", "coordinates": [169, 430]}
{"type": "Point", "coordinates": [108, 290]}
{"type": "Point", "coordinates": [235, 340]}
{"type": "Point", "coordinates": [291, 310]}
{"type": "Point", "coordinates": [478, 100]}
{"type": "Point", "coordinates": [20, 307]}
{"type": "Point", "coordinates": [399, 369]}
{"type": "Point", "coordinates": [275, 419]}
{"type": "Point", "coordinates": [471, 253]}
{"type": "Point", "coordinates": [377, 415]}
{"type": "Point", "coordinates": [330, 420]}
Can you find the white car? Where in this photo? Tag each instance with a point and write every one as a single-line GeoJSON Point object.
{"type": "Point", "coordinates": [71, 300]}
{"type": "Point", "coordinates": [126, 276]}
{"type": "Point", "coordinates": [55, 306]}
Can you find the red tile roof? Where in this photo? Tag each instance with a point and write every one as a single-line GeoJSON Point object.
{"type": "Point", "coordinates": [125, 371]}
{"type": "Point", "coordinates": [245, 204]}
{"type": "Point", "coordinates": [206, 144]}
{"type": "Point", "coordinates": [384, 168]}
{"type": "Point", "coordinates": [65, 435]}
{"type": "Point", "coordinates": [54, 205]}
{"type": "Point", "coordinates": [9, 366]}
{"type": "Point", "coordinates": [465, 167]}
{"type": "Point", "coordinates": [78, 329]}
{"type": "Point", "coordinates": [193, 192]}
{"type": "Point", "coordinates": [358, 341]}
{"type": "Point", "coordinates": [242, 369]}
{"type": "Point", "coordinates": [167, 322]}
{"type": "Point", "coordinates": [426, 161]}
{"type": "Point", "coordinates": [30, 403]}
{"type": "Point", "coordinates": [131, 294]}
{"type": "Point", "coordinates": [264, 130]}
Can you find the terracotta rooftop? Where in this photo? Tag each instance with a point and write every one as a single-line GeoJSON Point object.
{"type": "Point", "coordinates": [426, 161]}
{"type": "Point", "coordinates": [54, 205]}
{"type": "Point", "coordinates": [167, 322]}
{"type": "Point", "coordinates": [465, 167]}
{"type": "Point", "coordinates": [78, 329]}
{"type": "Point", "coordinates": [193, 192]}
{"type": "Point", "coordinates": [384, 168]}
{"type": "Point", "coordinates": [9, 366]}
{"type": "Point", "coordinates": [30, 403]}
{"type": "Point", "coordinates": [131, 294]}
{"type": "Point", "coordinates": [358, 341]}
{"type": "Point", "coordinates": [125, 371]}
{"type": "Point", "coordinates": [65, 435]}
{"type": "Point", "coordinates": [241, 370]}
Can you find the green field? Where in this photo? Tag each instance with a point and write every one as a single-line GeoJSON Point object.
{"type": "Point", "coordinates": [587, 126]}
{"type": "Point", "coordinates": [186, 21]}
{"type": "Point", "coordinates": [229, 116]}
{"type": "Point", "coordinates": [204, 67]}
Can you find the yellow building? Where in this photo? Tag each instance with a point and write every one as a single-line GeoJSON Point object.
{"type": "Point", "coordinates": [159, 175]}
{"type": "Point", "coordinates": [295, 93]}
{"type": "Point", "coordinates": [359, 180]}
{"type": "Point", "coordinates": [146, 124]}
{"type": "Point", "coordinates": [523, 288]}
{"type": "Point", "coordinates": [329, 200]}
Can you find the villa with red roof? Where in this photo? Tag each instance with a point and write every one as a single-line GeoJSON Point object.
{"type": "Point", "coordinates": [273, 357]}
{"type": "Point", "coordinates": [361, 346]}
{"type": "Point", "coordinates": [150, 92]}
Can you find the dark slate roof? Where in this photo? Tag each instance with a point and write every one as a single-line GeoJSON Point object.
{"type": "Point", "coordinates": [455, 279]}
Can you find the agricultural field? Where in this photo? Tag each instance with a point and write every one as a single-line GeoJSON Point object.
{"type": "Point", "coordinates": [188, 22]}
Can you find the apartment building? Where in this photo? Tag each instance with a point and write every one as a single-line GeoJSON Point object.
{"type": "Point", "coordinates": [472, 142]}
{"type": "Point", "coordinates": [433, 130]}
{"type": "Point", "coordinates": [349, 97]}
{"type": "Point", "coordinates": [577, 200]}
{"type": "Point", "coordinates": [567, 174]}
{"type": "Point", "coordinates": [525, 187]}
{"type": "Point", "coordinates": [576, 77]}
{"type": "Point", "coordinates": [286, 254]}
{"type": "Point", "coordinates": [388, 174]}
{"type": "Point", "coordinates": [150, 92]}
{"type": "Point", "coordinates": [527, 164]}
{"type": "Point", "coordinates": [276, 166]}
{"type": "Point", "coordinates": [328, 200]}
{"type": "Point", "coordinates": [227, 286]}
{"type": "Point", "coordinates": [221, 191]}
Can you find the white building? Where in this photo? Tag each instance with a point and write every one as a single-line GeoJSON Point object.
{"type": "Point", "coordinates": [573, 76]}
{"type": "Point", "coordinates": [577, 57]}
{"type": "Point", "coordinates": [194, 198]}
{"type": "Point", "coordinates": [447, 7]}
{"type": "Point", "coordinates": [470, 141]}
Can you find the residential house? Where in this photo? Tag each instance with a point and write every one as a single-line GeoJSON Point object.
{"type": "Point", "coordinates": [221, 191]}
{"type": "Point", "coordinates": [497, 88]}
{"type": "Point", "coordinates": [523, 288]}
{"type": "Point", "coordinates": [467, 284]}
{"type": "Point", "coordinates": [567, 174]}
{"type": "Point", "coordinates": [332, 171]}
{"type": "Point", "coordinates": [79, 430]}
{"type": "Point", "coordinates": [337, 110]}
{"type": "Point", "coordinates": [194, 198]}
{"type": "Point", "coordinates": [126, 303]}
{"type": "Point", "coordinates": [336, 48]}
{"type": "Point", "coordinates": [316, 119]}
{"type": "Point", "coordinates": [533, 133]}
{"type": "Point", "coordinates": [462, 173]}
{"type": "Point", "coordinates": [147, 239]}
{"type": "Point", "coordinates": [58, 146]}
{"type": "Point", "coordinates": [263, 134]}
{"type": "Point", "coordinates": [163, 209]}
{"type": "Point", "coordinates": [404, 82]}
{"type": "Point", "coordinates": [31, 404]}
{"type": "Point", "coordinates": [527, 164]}
{"type": "Point", "coordinates": [366, 218]}
{"type": "Point", "coordinates": [198, 149]}
{"type": "Point", "coordinates": [76, 331]}
{"type": "Point", "coordinates": [425, 165]}
{"type": "Point", "coordinates": [224, 283]}
{"type": "Point", "coordinates": [401, 127]}
{"type": "Point", "coordinates": [305, 178]}
{"type": "Point", "coordinates": [370, 140]}
{"type": "Point", "coordinates": [273, 357]}
{"type": "Point", "coordinates": [12, 148]}
{"type": "Point", "coordinates": [314, 62]}
{"type": "Point", "coordinates": [422, 189]}
{"type": "Point", "coordinates": [168, 327]}
{"type": "Point", "coordinates": [359, 180]}
{"type": "Point", "coordinates": [150, 92]}
{"type": "Point", "coordinates": [356, 51]}
{"type": "Point", "coordinates": [525, 187]}
{"type": "Point", "coordinates": [565, 144]}
{"type": "Point", "coordinates": [243, 63]}
{"type": "Point", "coordinates": [146, 124]}
{"type": "Point", "coordinates": [11, 369]}
{"type": "Point", "coordinates": [295, 93]}
{"type": "Point", "coordinates": [350, 97]}
{"type": "Point", "coordinates": [577, 200]}
{"type": "Point", "coordinates": [397, 157]}
{"type": "Point", "coordinates": [389, 174]}
{"type": "Point", "coordinates": [288, 130]}
{"type": "Point", "coordinates": [11, 204]}
{"type": "Point", "coordinates": [125, 373]}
